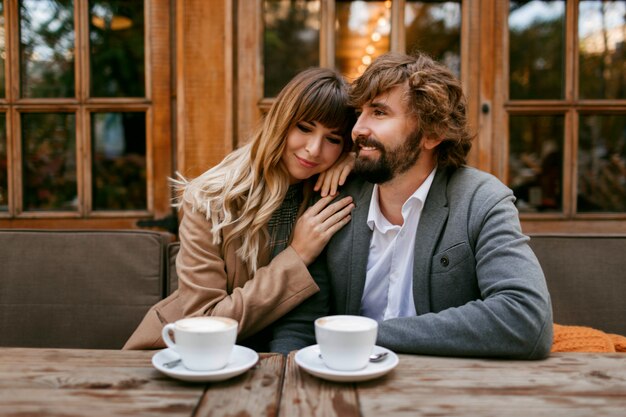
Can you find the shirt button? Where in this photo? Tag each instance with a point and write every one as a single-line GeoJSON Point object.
{"type": "Point", "coordinates": [444, 261]}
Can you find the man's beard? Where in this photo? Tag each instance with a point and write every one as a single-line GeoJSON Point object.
{"type": "Point", "coordinates": [391, 162]}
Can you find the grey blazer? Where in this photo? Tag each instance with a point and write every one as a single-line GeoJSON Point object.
{"type": "Point", "coordinates": [477, 286]}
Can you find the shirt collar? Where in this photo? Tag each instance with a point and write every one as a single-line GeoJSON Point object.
{"type": "Point", "coordinates": [375, 217]}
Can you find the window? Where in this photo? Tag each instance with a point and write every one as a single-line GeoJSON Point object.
{"type": "Point", "coordinates": [566, 109]}
{"type": "Point", "coordinates": [294, 30]}
{"type": "Point", "coordinates": [340, 34]}
{"type": "Point", "coordinates": [83, 112]}
{"type": "Point", "coordinates": [545, 82]}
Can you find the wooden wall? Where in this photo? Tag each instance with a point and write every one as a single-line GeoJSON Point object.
{"type": "Point", "coordinates": [204, 84]}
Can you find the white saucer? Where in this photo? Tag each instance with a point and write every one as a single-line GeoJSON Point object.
{"type": "Point", "coordinates": [309, 360]}
{"type": "Point", "coordinates": [240, 361]}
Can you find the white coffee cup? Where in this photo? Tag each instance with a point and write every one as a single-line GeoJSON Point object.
{"type": "Point", "coordinates": [203, 343]}
{"type": "Point", "coordinates": [346, 342]}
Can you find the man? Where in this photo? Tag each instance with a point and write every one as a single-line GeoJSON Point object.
{"type": "Point", "coordinates": [434, 251]}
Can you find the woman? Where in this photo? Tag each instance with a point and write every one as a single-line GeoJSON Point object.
{"type": "Point", "coordinates": [242, 253]}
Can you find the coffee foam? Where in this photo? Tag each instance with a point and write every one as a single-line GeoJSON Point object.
{"type": "Point", "coordinates": [345, 324]}
{"type": "Point", "coordinates": [205, 324]}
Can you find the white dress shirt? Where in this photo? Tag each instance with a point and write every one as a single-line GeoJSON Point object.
{"type": "Point", "coordinates": [388, 289]}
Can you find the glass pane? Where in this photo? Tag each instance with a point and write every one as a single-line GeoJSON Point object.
{"type": "Point", "coordinates": [116, 36]}
{"type": "Point", "coordinates": [49, 161]}
{"type": "Point", "coordinates": [602, 163]}
{"type": "Point", "coordinates": [47, 48]}
{"type": "Point", "coordinates": [536, 162]}
{"type": "Point", "coordinates": [536, 49]}
{"type": "Point", "coordinates": [4, 169]}
{"type": "Point", "coordinates": [3, 53]}
{"type": "Point", "coordinates": [363, 33]}
{"type": "Point", "coordinates": [291, 40]}
{"type": "Point", "coordinates": [434, 27]}
{"type": "Point", "coordinates": [119, 161]}
{"type": "Point", "coordinates": [602, 48]}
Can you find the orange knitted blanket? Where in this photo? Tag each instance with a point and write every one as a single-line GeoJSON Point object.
{"type": "Point", "coordinates": [586, 339]}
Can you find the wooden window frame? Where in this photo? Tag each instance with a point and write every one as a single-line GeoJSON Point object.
{"type": "Point", "coordinates": [567, 221]}
{"type": "Point", "coordinates": [156, 104]}
{"type": "Point", "coordinates": [251, 103]}
{"type": "Point", "coordinates": [484, 74]}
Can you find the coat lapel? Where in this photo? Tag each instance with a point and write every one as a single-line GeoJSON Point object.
{"type": "Point", "coordinates": [431, 223]}
{"type": "Point", "coordinates": [361, 237]}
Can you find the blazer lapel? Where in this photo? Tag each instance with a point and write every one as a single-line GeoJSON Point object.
{"type": "Point", "coordinates": [430, 226]}
{"type": "Point", "coordinates": [361, 237]}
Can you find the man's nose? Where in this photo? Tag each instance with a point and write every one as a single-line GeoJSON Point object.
{"type": "Point", "coordinates": [360, 128]}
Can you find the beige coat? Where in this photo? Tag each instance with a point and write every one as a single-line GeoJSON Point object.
{"type": "Point", "coordinates": [213, 281]}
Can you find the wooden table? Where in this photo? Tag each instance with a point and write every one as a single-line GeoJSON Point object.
{"type": "Point", "coordinates": [566, 384]}
{"type": "Point", "coordinates": [65, 382]}
{"type": "Point", "coordinates": [76, 382]}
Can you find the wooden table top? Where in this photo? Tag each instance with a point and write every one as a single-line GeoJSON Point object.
{"type": "Point", "coordinates": [80, 382]}
{"type": "Point", "coordinates": [76, 382]}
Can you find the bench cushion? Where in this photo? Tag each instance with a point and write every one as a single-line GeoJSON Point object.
{"type": "Point", "coordinates": [172, 276]}
{"type": "Point", "coordinates": [586, 276]}
{"type": "Point", "coordinates": [78, 289]}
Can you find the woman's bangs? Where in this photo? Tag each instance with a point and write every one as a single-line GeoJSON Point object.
{"type": "Point", "coordinates": [328, 107]}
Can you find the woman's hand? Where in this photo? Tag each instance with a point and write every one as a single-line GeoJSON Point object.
{"type": "Point", "coordinates": [329, 180]}
{"type": "Point", "coordinates": [318, 224]}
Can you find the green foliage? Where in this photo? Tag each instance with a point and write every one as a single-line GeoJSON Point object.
{"type": "Point", "coordinates": [290, 46]}
{"type": "Point", "coordinates": [536, 60]}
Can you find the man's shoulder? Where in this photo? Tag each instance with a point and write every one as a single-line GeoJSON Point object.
{"type": "Point", "coordinates": [468, 180]}
{"type": "Point", "coordinates": [356, 187]}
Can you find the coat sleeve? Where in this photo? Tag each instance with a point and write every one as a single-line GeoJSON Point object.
{"type": "Point", "coordinates": [215, 283]}
{"type": "Point", "coordinates": [513, 315]}
{"type": "Point", "coordinates": [296, 330]}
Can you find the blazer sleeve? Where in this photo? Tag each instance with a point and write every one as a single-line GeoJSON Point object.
{"type": "Point", "coordinates": [513, 315]}
{"type": "Point", "coordinates": [215, 283]}
{"type": "Point", "coordinates": [296, 330]}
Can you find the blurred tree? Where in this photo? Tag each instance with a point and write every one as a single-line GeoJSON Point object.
{"type": "Point", "coordinates": [291, 43]}
{"type": "Point", "coordinates": [116, 35]}
{"type": "Point", "coordinates": [47, 48]}
{"type": "Point", "coordinates": [536, 53]}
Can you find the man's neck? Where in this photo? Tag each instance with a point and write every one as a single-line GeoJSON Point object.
{"type": "Point", "coordinates": [393, 194]}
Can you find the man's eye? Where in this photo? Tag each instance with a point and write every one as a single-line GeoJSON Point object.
{"type": "Point", "coordinates": [378, 112]}
{"type": "Point", "coordinates": [304, 128]}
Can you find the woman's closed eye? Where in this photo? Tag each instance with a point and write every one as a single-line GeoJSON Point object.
{"type": "Point", "coordinates": [304, 127]}
{"type": "Point", "coordinates": [334, 140]}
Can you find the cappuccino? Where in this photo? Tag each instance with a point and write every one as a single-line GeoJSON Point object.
{"type": "Point", "coordinates": [346, 342]}
{"type": "Point", "coordinates": [205, 324]}
{"type": "Point", "coordinates": [345, 324]}
{"type": "Point", "coordinates": [203, 343]}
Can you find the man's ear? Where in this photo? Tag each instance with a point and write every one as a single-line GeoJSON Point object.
{"type": "Point", "coordinates": [431, 143]}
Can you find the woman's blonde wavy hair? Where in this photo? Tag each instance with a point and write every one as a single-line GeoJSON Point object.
{"type": "Point", "coordinates": [240, 194]}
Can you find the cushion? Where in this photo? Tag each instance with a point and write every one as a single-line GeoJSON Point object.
{"type": "Point", "coordinates": [586, 276]}
{"type": "Point", "coordinates": [172, 276]}
{"type": "Point", "coordinates": [78, 288]}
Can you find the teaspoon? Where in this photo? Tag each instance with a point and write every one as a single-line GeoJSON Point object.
{"type": "Point", "coordinates": [376, 357]}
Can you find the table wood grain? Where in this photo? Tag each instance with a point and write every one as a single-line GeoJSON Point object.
{"type": "Point", "coordinates": [306, 395]}
{"type": "Point", "coordinates": [255, 393]}
{"type": "Point", "coordinates": [76, 382]}
{"type": "Point", "coordinates": [566, 384]}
